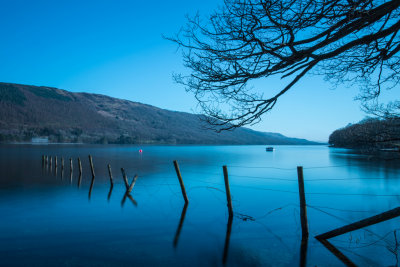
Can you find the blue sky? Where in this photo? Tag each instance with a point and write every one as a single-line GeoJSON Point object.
{"type": "Point", "coordinates": [116, 48]}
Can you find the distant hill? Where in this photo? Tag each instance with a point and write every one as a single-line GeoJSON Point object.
{"type": "Point", "coordinates": [36, 111]}
{"type": "Point", "coordinates": [368, 134]}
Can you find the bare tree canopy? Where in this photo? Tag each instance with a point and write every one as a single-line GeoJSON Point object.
{"type": "Point", "coordinates": [346, 41]}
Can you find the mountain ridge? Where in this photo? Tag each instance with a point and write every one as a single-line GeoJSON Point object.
{"type": "Point", "coordinates": [28, 111]}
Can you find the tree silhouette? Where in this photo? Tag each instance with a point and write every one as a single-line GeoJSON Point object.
{"type": "Point", "coordinates": [346, 41]}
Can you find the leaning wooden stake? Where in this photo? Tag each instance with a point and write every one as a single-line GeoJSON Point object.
{"type": "Point", "coordinates": [303, 209]}
{"type": "Point", "coordinates": [228, 191]}
{"type": "Point", "coordinates": [91, 165]}
{"type": "Point", "coordinates": [110, 173]}
{"type": "Point", "coordinates": [125, 178]}
{"type": "Point", "coordinates": [132, 184]}
{"type": "Point", "coordinates": [178, 173]}
{"type": "Point", "coordinates": [384, 216]}
{"type": "Point", "coordinates": [80, 166]}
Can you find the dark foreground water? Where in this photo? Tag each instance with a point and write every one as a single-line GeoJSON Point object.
{"type": "Point", "coordinates": [48, 219]}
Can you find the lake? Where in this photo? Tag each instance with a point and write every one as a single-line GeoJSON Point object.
{"type": "Point", "coordinates": [52, 218]}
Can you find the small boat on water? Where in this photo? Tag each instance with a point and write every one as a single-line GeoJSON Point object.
{"type": "Point", "coordinates": [269, 148]}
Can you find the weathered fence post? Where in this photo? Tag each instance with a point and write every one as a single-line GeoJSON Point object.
{"type": "Point", "coordinates": [132, 185]}
{"type": "Point", "coordinates": [125, 178]}
{"type": "Point", "coordinates": [303, 208]}
{"type": "Point", "coordinates": [80, 166]}
{"type": "Point", "coordinates": [91, 165]}
{"type": "Point", "coordinates": [178, 173]}
{"type": "Point", "coordinates": [384, 216]}
{"type": "Point", "coordinates": [110, 173]}
{"type": "Point", "coordinates": [70, 166]}
{"type": "Point", "coordinates": [228, 191]}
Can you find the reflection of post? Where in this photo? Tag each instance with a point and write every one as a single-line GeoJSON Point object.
{"type": "Point", "coordinates": [303, 210]}
{"type": "Point", "coordinates": [178, 230]}
{"type": "Point", "coordinates": [91, 187]}
{"type": "Point", "coordinates": [337, 253]}
{"type": "Point", "coordinates": [110, 173]}
{"type": "Point", "coordinates": [303, 251]}
{"type": "Point", "coordinates": [109, 192]}
{"type": "Point", "coordinates": [79, 180]}
{"type": "Point", "coordinates": [127, 195]}
{"type": "Point", "coordinates": [227, 238]}
{"type": "Point", "coordinates": [228, 191]}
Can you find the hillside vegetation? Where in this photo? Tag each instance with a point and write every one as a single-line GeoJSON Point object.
{"type": "Point", "coordinates": [31, 111]}
{"type": "Point", "coordinates": [368, 134]}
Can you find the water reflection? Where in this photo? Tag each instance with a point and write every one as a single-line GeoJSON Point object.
{"type": "Point", "coordinates": [110, 192]}
{"type": "Point", "coordinates": [337, 253]}
{"type": "Point", "coordinates": [128, 195]}
{"type": "Point", "coordinates": [182, 219]}
{"type": "Point", "coordinates": [91, 187]}
{"type": "Point", "coordinates": [303, 251]}
{"type": "Point", "coordinates": [227, 239]}
{"type": "Point", "coordinates": [79, 180]}
{"type": "Point", "coordinates": [260, 181]}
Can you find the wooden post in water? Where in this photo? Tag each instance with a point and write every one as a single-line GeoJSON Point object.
{"type": "Point", "coordinates": [70, 166]}
{"type": "Point", "coordinates": [55, 162]}
{"type": "Point", "coordinates": [80, 166]}
{"type": "Point", "coordinates": [43, 160]}
{"type": "Point", "coordinates": [125, 178]}
{"type": "Point", "coordinates": [384, 216]}
{"type": "Point", "coordinates": [62, 164]}
{"type": "Point", "coordinates": [91, 165]}
{"type": "Point", "coordinates": [303, 208]}
{"type": "Point", "coordinates": [132, 184]}
{"type": "Point", "coordinates": [228, 190]}
{"type": "Point", "coordinates": [178, 173]}
{"type": "Point", "coordinates": [46, 159]}
{"type": "Point", "coordinates": [51, 162]}
{"type": "Point", "coordinates": [110, 173]}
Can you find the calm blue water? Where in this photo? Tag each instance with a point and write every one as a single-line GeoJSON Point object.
{"type": "Point", "coordinates": [49, 219]}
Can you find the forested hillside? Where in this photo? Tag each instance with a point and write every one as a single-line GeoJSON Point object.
{"type": "Point", "coordinates": [368, 134]}
{"type": "Point", "coordinates": [36, 111]}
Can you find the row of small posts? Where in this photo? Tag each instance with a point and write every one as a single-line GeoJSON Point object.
{"type": "Point", "coordinates": [48, 161]}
